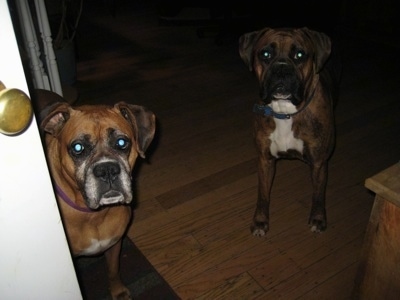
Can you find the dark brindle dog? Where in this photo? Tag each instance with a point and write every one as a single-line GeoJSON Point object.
{"type": "Point", "coordinates": [294, 115]}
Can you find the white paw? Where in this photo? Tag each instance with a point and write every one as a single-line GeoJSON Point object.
{"type": "Point", "coordinates": [259, 232]}
{"type": "Point", "coordinates": [315, 228]}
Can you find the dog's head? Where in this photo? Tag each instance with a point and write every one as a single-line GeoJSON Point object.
{"type": "Point", "coordinates": [95, 148]}
{"type": "Point", "coordinates": [286, 61]}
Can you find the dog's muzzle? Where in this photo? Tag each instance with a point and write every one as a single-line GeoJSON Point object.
{"type": "Point", "coordinates": [107, 183]}
{"type": "Point", "coordinates": [281, 83]}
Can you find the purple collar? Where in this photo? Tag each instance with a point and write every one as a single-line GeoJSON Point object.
{"type": "Point", "coordinates": [70, 203]}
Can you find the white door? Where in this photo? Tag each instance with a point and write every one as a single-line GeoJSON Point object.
{"type": "Point", "coordinates": [35, 262]}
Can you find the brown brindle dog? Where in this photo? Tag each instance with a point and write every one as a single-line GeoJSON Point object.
{"type": "Point", "coordinates": [294, 115]}
{"type": "Point", "coordinates": [91, 151]}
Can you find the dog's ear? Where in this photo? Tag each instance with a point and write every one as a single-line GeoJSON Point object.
{"type": "Point", "coordinates": [322, 45]}
{"type": "Point", "coordinates": [143, 122]}
{"type": "Point", "coordinates": [246, 46]}
{"type": "Point", "coordinates": [54, 117]}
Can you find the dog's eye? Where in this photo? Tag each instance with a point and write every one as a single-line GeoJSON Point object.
{"type": "Point", "coordinates": [77, 148]}
{"type": "Point", "coordinates": [266, 54]}
{"type": "Point", "coordinates": [299, 54]}
{"type": "Point", "coordinates": [122, 143]}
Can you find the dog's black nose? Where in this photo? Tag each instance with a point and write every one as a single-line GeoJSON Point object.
{"type": "Point", "coordinates": [107, 171]}
{"type": "Point", "coordinates": [280, 88]}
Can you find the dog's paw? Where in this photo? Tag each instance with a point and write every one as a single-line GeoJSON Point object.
{"type": "Point", "coordinates": [317, 226]}
{"type": "Point", "coordinates": [123, 296]}
{"type": "Point", "coordinates": [317, 220]}
{"type": "Point", "coordinates": [122, 293]}
{"type": "Point", "coordinates": [259, 229]}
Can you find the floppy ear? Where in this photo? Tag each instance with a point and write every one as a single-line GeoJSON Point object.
{"type": "Point", "coordinates": [54, 117]}
{"type": "Point", "coordinates": [143, 122]}
{"type": "Point", "coordinates": [322, 46]}
{"type": "Point", "coordinates": [246, 46]}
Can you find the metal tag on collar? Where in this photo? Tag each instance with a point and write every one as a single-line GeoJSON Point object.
{"type": "Point", "coordinates": [282, 116]}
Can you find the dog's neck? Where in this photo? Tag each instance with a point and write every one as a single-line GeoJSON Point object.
{"type": "Point", "coordinates": [71, 203]}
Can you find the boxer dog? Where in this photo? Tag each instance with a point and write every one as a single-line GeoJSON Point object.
{"type": "Point", "coordinates": [294, 114]}
{"type": "Point", "coordinates": [91, 151]}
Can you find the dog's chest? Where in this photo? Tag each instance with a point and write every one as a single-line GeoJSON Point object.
{"type": "Point", "coordinates": [282, 138]}
{"type": "Point", "coordinates": [98, 246]}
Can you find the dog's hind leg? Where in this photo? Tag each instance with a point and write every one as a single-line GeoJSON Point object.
{"type": "Point", "coordinates": [266, 173]}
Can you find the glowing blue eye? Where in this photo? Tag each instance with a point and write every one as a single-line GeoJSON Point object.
{"type": "Point", "coordinates": [299, 55]}
{"type": "Point", "coordinates": [266, 54]}
{"type": "Point", "coordinates": [122, 143]}
{"type": "Point", "coordinates": [78, 148]}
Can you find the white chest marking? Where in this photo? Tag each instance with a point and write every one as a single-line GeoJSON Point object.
{"type": "Point", "coordinates": [282, 138]}
{"type": "Point", "coordinates": [97, 246]}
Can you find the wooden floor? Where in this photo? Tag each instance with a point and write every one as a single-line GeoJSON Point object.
{"type": "Point", "coordinates": [196, 191]}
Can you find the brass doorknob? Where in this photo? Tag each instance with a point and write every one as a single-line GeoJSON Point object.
{"type": "Point", "coordinates": [15, 111]}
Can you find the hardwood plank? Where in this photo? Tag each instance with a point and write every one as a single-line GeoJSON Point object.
{"type": "Point", "coordinates": [187, 192]}
{"type": "Point", "coordinates": [211, 254]}
{"type": "Point", "coordinates": [217, 275]}
{"type": "Point", "coordinates": [304, 281]}
{"type": "Point", "coordinates": [182, 249]}
{"type": "Point", "coordinates": [306, 249]}
{"type": "Point", "coordinates": [239, 287]}
{"type": "Point", "coordinates": [190, 211]}
{"type": "Point", "coordinates": [145, 209]}
{"type": "Point", "coordinates": [339, 286]}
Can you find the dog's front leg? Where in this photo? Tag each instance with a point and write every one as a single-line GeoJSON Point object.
{"type": "Point", "coordinates": [319, 176]}
{"type": "Point", "coordinates": [117, 288]}
{"type": "Point", "coordinates": [266, 173]}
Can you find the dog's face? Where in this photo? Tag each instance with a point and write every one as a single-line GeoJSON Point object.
{"type": "Point", "coordinates": [285, 61]}
{"type": "Point", "coordinates": [96, 147]}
